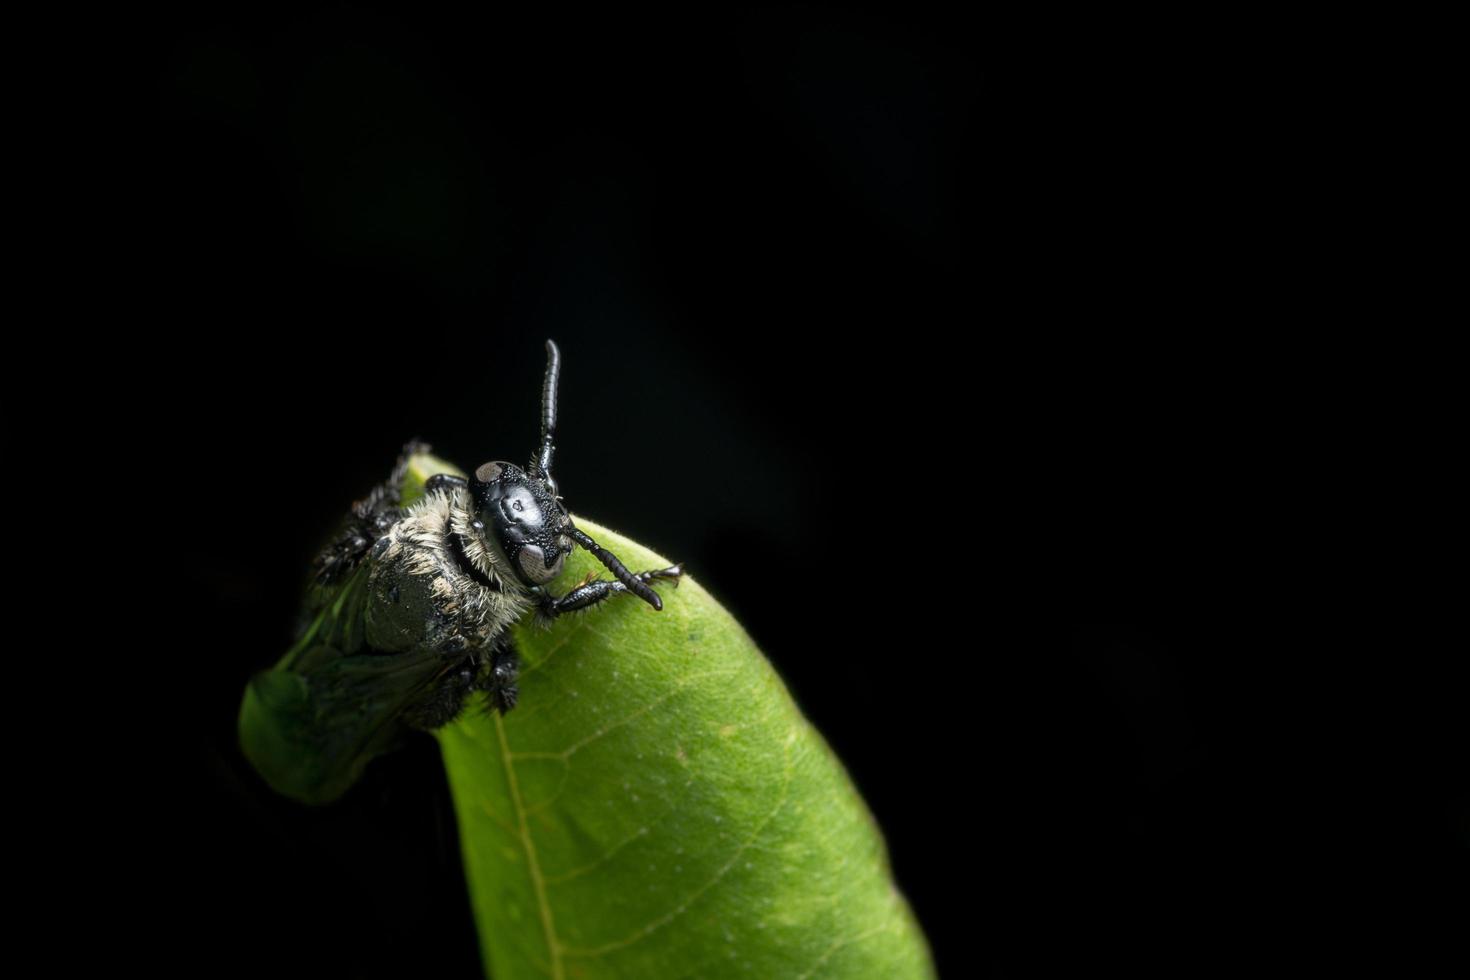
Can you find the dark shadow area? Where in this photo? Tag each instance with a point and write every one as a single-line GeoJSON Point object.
{"type": "Point", "coordinates": [932, 349]}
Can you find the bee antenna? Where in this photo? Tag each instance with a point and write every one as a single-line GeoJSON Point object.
{"type": "Point", "coordinates": [548, 410]}
{"type": "Point", "coordinates": [620, 572]}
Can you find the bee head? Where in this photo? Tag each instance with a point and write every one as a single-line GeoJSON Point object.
{"type": "Point", "coordinates": [523, 513]}
{"type": "Point", "coordinates": [525, 518]}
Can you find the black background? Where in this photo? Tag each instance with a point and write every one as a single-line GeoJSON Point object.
{"type": "Point", "coordinates": [932, 347]}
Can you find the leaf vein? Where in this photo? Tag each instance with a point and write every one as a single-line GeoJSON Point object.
{"type": "Point", "coordinates": [698, 892]}
{"type": "Point", "coordinates": [567, 637]}
{"type": "Point", "coordinates": [840, 944]}
{"type": "Point", "coordinates": [582, 743]}
{"type": "Point", "coordinates": [532, 864]}
{"type": "Point", "coordinates": [612, 851]}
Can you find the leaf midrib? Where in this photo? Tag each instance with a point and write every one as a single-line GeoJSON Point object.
{"type": "Point", "coordinates": [548, 923]}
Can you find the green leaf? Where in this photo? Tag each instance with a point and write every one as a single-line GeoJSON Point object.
{"type": "Point", "coordinates": [657, 807]}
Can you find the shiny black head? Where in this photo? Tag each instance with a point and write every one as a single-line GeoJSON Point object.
{"type": "Point", "coordinates": [523, 513]}
{"type": "Point", "coordinates": [524, 517]}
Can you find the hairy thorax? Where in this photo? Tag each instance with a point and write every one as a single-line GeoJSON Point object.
{"type": "Point", "coordinates": [436, 585]}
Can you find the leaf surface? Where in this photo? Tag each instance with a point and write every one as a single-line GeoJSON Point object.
{"type": "Point", "coordinates": [657, 806]}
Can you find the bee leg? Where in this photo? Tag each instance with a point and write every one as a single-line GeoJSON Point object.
{"type": "Point", "coordinates": [499, 682]}
{"type": "Point", "coordinates": [443, 703]}
{"type": "Point", "coordinates": [591, 593]}
{"type": "Point", "coordinates": [443, 481]}
{"type": "Point", "coordinates": [369, 519]}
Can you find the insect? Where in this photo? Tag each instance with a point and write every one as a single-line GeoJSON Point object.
{"type": "Point", "coordinates": [409, 611]}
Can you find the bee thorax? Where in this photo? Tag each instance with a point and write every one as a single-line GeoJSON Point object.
{"type": "Point", "coordinates": [434, 584]}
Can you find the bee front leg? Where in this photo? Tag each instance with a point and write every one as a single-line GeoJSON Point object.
{"type": "Point", "coordinates": [591, 593]}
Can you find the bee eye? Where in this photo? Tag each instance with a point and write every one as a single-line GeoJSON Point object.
{"type": "Point", "coordinates": [532, 562]}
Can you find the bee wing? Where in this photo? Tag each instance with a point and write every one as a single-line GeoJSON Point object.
{"type": "Point", "coordinates": [311, 734]}
{"type": "Point", "coordinates": [310, 724]}
{"type": "Point", "coordinates": [337, 624]}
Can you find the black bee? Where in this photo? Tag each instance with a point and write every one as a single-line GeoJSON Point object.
{"type": "Point", "coordinates": [409, 614]}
